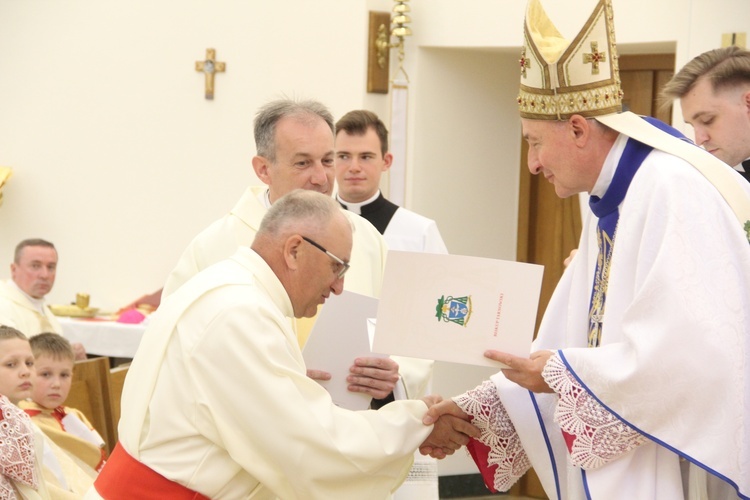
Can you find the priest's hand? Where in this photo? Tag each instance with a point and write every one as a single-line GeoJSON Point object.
{"type": "Point", "coordinates": [318, 375]}
{"type": "Point", "coordinates": [374, 376]}
{"type": "Point", "coordinates": [151, 301]}
{"type": "Point", "coordinates": [79, 351]}
{"type": "Point", "coordinates": [526, 372]}
{"type": "Point", "coordinates": [451, 430]}
{"type": "Point", "coordinates": [569, 258]}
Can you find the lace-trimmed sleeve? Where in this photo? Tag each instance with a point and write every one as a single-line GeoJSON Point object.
{"type": "Point", "coordinates": [498, 452]}
{"type": "Point", "coordinates": [17, 452]}
{"type": "Point", "coordinates": [594, 436]}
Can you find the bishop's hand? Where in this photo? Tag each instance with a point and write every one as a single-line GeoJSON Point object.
{"type": "Point", "coordinates": [526, 372]}
{"type": "Point", "coordinates": [451, 430]}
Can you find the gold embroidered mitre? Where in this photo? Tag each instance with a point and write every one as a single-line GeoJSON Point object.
{"type": "Point", "coordinates": [561, 78]}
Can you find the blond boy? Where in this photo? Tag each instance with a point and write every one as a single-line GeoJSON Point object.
{"type": "Point", "coordinates": [33, 467]}
{"type": "Point", "coordinates": [67, 427]}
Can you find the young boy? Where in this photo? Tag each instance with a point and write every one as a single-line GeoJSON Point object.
{"type": "Point", "coordinates": [67, 427]}
{"type": "Point", "coordinates": [20, 467]}
{"type": "Point", "coordinates": [57, 475]}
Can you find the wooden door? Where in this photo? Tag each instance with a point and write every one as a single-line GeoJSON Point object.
{"type": "Point", "coordinates": [642, 78]}
{"type": "Point", "coordinates": [549, 227]}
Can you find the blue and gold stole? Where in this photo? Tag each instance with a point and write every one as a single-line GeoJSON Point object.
{"type": "Point", "coordinates": [606, 210]}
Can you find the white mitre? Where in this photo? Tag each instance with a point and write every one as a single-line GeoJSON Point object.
{"type": "Point", "coordinates": [561, 78]}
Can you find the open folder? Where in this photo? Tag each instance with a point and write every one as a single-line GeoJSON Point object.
{"type": "Point", "coordinates": [453, 307]}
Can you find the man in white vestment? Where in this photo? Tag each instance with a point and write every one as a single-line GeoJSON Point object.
{"type": "Point", "coordinates": [637, 384]}
{"type": "Point", "coordinates": [217, 403]}
{"type": "Point", "coordinates": [22, 304]}
{"type": "Point", "coordinates": [714, 93]}
{"type": "Point", "coordinates": [294, 142]}
{"type": "Point", "coordinates": [361, 158]}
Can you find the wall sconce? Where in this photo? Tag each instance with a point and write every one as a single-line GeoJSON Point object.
{"type": "Point", "coordinates": [736, 39]}
{"type": "Point", "coordinates": [384, 28]}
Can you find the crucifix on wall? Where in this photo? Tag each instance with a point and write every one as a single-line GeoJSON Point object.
{"type": "Point", "coordinates": [210, 67]}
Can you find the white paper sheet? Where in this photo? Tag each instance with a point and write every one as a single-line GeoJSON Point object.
{"type": "Point", "coordinates": [339, 335]}
{"type": "Point", "coordinates": [486, 304]}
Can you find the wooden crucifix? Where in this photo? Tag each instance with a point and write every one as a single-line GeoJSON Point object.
{"type": "Point", "coordinates": [210, 67]}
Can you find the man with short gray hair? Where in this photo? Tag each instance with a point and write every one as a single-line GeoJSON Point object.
{"type": "Point", "coordinates": [295, 150]}
{"type": "Point", "coordinates": [217, 403]}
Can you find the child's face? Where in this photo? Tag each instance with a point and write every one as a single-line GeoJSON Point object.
{"type": "Point", "coordinates": [16, 369]}
{"type": "Point", "coordinates": [52, 381]}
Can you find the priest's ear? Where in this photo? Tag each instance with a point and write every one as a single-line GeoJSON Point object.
{"type": "Point", "coordinates": [261, 166]}
{"type": "Point", "coordinates": [387, 161]}
{"type": "Point", "coordinates": [291, 251]}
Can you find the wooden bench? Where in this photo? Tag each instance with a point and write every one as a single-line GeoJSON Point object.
{"type": "Point", "coordinates": [89, 393]}
{"type": "Point", "coordinates": [95, 390]}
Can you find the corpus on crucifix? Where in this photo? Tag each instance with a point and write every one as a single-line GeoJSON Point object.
{"type": "Point", "coordinates": [210, 67]}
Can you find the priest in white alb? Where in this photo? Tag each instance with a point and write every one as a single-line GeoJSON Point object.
{"type": "Point", "coordinates": [217, 403]}
{"type": "Point", "coordinates": [295, 150]}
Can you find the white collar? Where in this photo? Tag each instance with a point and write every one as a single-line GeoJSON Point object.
{"type": "Point", "coordinates": [739, 167]}
{"type": "Point", "coordinates": [264, 197]}
{"type": "Point", "coordinates": [357, 207]}
{"type": "Point", "coordinates": [609, 166]}
{"type": "Point", "coordinates": [37, 303]}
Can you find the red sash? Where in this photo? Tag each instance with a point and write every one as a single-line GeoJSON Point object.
{"type": "Point", "coordinates": [124, 478]}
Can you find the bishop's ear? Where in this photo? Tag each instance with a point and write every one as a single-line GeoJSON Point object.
{"type": "Point", "coordinates": [579, 126]}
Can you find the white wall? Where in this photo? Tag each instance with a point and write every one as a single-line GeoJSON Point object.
{"type": "Point", "coordinates": [120, 161]}
{"type": "Point", "coordinates": [118, 158]}
{"type": "Point", "coordinates": [465, 161]}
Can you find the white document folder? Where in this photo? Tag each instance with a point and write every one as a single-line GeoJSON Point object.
{"type": "Point", "coordinates": [339, 335]}
{"type": "Point", "coordinates": [453, 307]}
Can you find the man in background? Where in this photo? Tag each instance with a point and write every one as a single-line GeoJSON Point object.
{"type": "Point", "coordinates": [714, 94]}
{"type": "Point", "coordinates": [22, 304]}
{"type": "Point", "coordinates": [361, 158]}
{"type": "Point", "coordinates": [295, 150]}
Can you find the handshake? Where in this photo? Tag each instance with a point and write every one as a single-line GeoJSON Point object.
{"type": "Point", "coordinates": [452, 428]}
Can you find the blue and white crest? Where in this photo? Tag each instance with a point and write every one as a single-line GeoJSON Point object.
{"type": "Point", "coordinates": [454, 309]}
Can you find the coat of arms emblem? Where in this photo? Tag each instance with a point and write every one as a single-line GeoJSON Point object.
{"type": "Point", "coordinates": [454, 309]}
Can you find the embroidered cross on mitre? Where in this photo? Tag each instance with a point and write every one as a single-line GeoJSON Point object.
{"type": "Point", "coordinates": [595, 58]}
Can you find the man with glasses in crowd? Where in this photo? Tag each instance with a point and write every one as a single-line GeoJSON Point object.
{"type": "Point", "coordinates": [217, 403]}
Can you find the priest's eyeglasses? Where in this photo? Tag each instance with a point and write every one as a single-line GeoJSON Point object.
{"type": "Point", "coordinates": [343, 266]}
